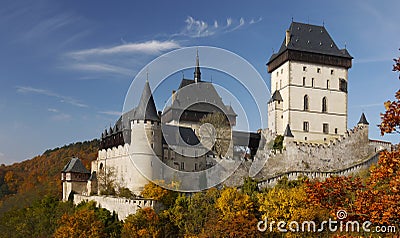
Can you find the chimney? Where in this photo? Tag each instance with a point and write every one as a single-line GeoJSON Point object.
{"type": "Point", "coordinates": [287, 37]}
{"type": "Point", "coordinates": [173, 95]}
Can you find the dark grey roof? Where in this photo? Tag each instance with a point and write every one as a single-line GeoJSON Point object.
{"type": "Point", "coordinates": [177, 135]}
{"type": "Point", "coordinates": [310, 38]}
{"type": "Point", "coordinates": [363, 120]}
{"type": "Point", "coordinates": [201, 96]}
{"type": "Point", "coordinates": [242, 138]}
{"type": "Point", "coordinates": [75, 166]}
{"type": "Point", "coordinates": [276, 97]}
{"type": "Point", "coordinates": [288, 132]}
{"type": "Point", "coordinates": [146, 110]}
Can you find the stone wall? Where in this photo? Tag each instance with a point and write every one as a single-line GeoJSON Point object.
{"type": "Point", "coordinates": [122, 206]}
{"type": "Point", "coordinates": [349, 153]}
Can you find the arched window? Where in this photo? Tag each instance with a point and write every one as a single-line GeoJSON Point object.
{"type": "Point", "coordinates": [306, 102]}
{"type": "Point", "coordinates": [324, 106]}
{"type": "Point", "coordinates": [101, 166]}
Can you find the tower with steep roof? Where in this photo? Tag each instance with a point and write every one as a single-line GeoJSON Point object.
{"type": "Point", "coordinates": [309, 76]}
{"type": "Point", "coordinates": [74, 178]}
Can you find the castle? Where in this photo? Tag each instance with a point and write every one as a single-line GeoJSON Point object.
{"type": "Point", "coordinates": [308, 107]}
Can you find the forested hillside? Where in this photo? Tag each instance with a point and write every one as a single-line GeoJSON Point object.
{"type": "Point", "coordinates": [30, 180]}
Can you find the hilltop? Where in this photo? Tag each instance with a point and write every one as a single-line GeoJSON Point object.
{"type": "Point", "coordinates": [27, 181]}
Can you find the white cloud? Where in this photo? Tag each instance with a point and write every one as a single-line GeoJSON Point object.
{"type": "Point", "coordinates": [62, 98]}
{"type": "Point", "coordinates": [215, 24]}
{"type": "Point", "coordinates": [196, 28]}
{"type": "Point", "coordinates": [101, 67]}
{"type": "Point", "coordinates": [228, 22]}
{"type": "Point", "coordinates": [148, 47]}
{"type": "Point", "coordinates": [61, 117]}
{"type": "Point", "coordinates": [111, 113]}
{"type": "Point", "coordinates": [52, 110]}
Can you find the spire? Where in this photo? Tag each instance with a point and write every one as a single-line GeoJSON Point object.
{"type": "Point", "coordinates": [197, 73]}
{"type": "Point", "coordinates": [288, 132]}
{"type": "Point", "coordinates": [363, 120]}
{"type": "Point", "coordinates": [146, 110]}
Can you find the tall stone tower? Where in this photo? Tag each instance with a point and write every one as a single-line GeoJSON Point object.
{"type": "Point", "coordinates": [309, 76]}
{"type": "Point", "coordinates": [146, 141]}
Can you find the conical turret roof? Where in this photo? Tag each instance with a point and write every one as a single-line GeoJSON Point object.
{"type": "Point", "coordinates": [288, 132]}
{"type": "Point", "coordinates": [363, 120]}
{"type": "Point", "coordinates": [146, 110]}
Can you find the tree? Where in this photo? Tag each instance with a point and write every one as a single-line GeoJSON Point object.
{"type": "Point", "coordinates": [107, 181]}
{"type": "Point", "coordinates": [391, 118]}
{"type": "Point", "coordinates": [288, 204]}
{"type": "Point", "coordinates": [216, 133]}
{"type": "Point", "coordinates": [234, 216]}
{"type": "Point", "coordinates": [82, 223]}
{"type": "Point", "coordinates": [145, 223]}
{"type": "Point", "coordinates": [379, 201]}
{"type": "Point", "coordinates": [156, 192]}
{"type": "Point", "coordinates": [278, 143]}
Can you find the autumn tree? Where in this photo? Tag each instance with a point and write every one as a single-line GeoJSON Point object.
{"type": "Point", "coordinates": [216, 133]}
{"type": "Point", "coordinates": [235, 216]}
{"type": "Point", "coordinates": [391, 118]}
{"type": "Point", "coordinates": [156, 192]}
{"type": "Point", "coordinates": [83, 223]}
{"type": "Point", "coordinates": [144, 223]}
{"type": "Point", "coordinates": [379, 202]}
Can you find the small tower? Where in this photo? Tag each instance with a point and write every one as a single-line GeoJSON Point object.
{"type": "Point", "coordinates": [364, 125]}
{"type": "Point", "coordinates": [275, 113]}
{"type": "Point", "coordinates": [74, 178]}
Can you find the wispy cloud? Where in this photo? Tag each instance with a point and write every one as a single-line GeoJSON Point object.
{"type": "Point", "coordinates": [100, 67]}
{"type": "Point", "coordinates": [62, 98]}
{"type": "Point", "coordinates": [196, 28]}
{"type": "Point", "coordinates": [48, 25]}
{"type": "Point", "coordinates": [111, 113]}
{"type": "Point", "coordinates": [52, 110]}
{"type": "Point", "coordinates": [148, 47]}
{"type": "Point", "coordinates": [61, 117]}
{"type": "Point", "coordinates": [116, 59]}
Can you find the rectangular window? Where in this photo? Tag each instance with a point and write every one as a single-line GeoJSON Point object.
{"type": "Point", "coordinates": [305, 126]}
{"type": "Point", "coordinates": [304, 68]}
{"type": "Point", "coordinates": [182, 165]}
{"type": "Point", "coordinates": [318, 70]}
{"type": "Point", "coordinates": [327, 84]}
{"type": "Point", "coordinates": [312, 82]}
{"type": "Point", "coordinates": [343, 85]}
{"type": "Point", "coordinates": [331, 71]}
{"type": "Point", "coordinates": [304, 81]}
{"type": "Point", "coordinates": [336, 131]}
{"type": "Point", "coordinates": [195, 166]}
{"type": "Point", "coordinates": [325, 128]}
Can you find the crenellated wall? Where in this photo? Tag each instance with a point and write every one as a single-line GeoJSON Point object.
{"type": "Point", "coordinates": [122, 206]}
{"type": "Point", "coordinates": [347, 154]}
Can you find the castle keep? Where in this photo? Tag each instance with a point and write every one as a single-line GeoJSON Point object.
{"type": "Point", "coordinates": [308, 107]}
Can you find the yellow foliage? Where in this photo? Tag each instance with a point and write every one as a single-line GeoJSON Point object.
{"type": "Point", "coordinates": [288, 204]}
{"type": "Point", "coordinates": [232, 203]}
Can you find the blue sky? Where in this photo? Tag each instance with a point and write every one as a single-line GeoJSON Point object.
{"type": "Point", "coordinates": [65, 66]}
